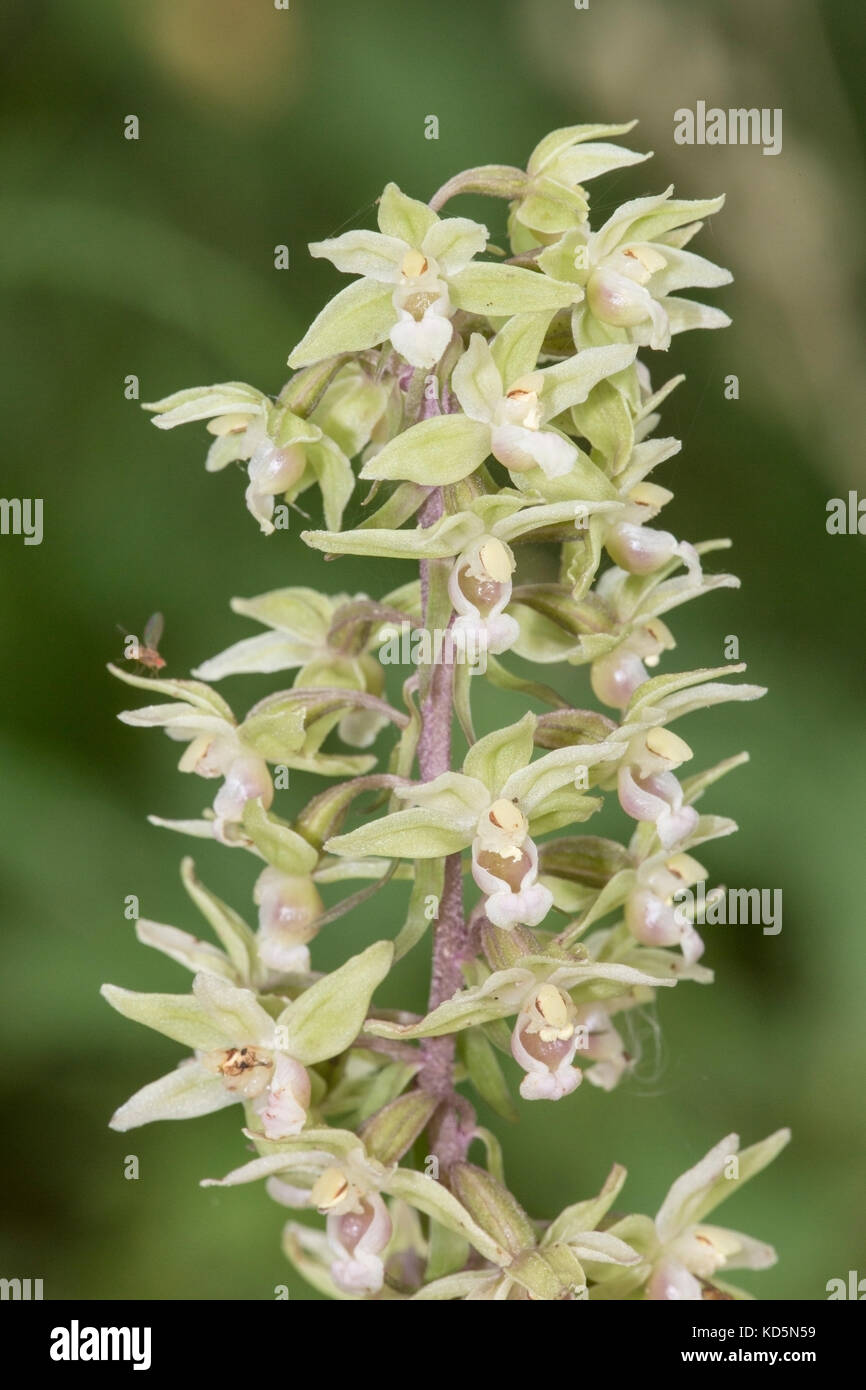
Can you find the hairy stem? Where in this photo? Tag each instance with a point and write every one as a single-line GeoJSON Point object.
{"type": "Point", "coordinates": [453, 1122]}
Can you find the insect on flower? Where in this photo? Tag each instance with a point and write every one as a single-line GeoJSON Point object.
{"type": "Point", "coordinates": [146, 652]}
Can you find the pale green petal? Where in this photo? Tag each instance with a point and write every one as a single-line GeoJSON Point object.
{"type": "Point", "coordinates": [533, 784]}
{"type": "Point", "coordinates": [570, 382]}
{"type": "Point", "coordinates": [494, 758]}
{"type": "Point", "coordinates": [435, 452]}
{"type": "Point", "coordinates": [517, 345]}
{"type": "Point", "coordinates": [412, 834]}
{"type": "Point", "coordinates": [206, 402]}
{"type": "Point", "coordinates": [453, 242]}
{"type": "Point", "coordinates": [271, 651]}
{"type": "Point", "coordinates": [673, 213]}
{"type": "Point", "coordinates": [236, 1013]}
{"type": "Point", "coordinates": [429, 1196]}
{"type": "Point", "coordinates": [751, 1161]}
{"type": "Point", "coordinates": [446, 537]}
{"type": "Point", "coordinates": [684, 314]}
{"type": "Point", "coordinates": [192, 692]}
{"type": "Point", "coordinates": [558, 141]}
{"type": "Point", "coordinates": [304, 614]}
{"type": "Point", "coordinates": [178, 1016]}
{"type": "Point", "coordinates": [184, 1094]}
{"type": "Point", "coordinates": [585, 1216]}
{"type": "Point", "coordinates": [404, 217]}
{"type": "Point", "coordinates": [615, 230]}
{"type": "Point", "coordinates": [235, 937]}
{"type": "Point", "coordinates": [334, 475]}
{"type": "Point", "coordinates": [183, 947]}
{"type": "Point", "coordinates": [462, 799]}
{"type": "Point", "coordinates": [477, 382]}
{"type": "Point", "coordinates": [360, 316]}
{"type": "Point", "coordinates": [361, 252]}
{"type": "Point", "coordinates": [280, 845]}
{"type": "Point", "coordinates": [454, 1286]}
{"type": "Point", "coordinates": [683, 270]}
{"type": "Point", "coordinates": [498, 997]}
{"type": "Point", "coordinates": [328, 1016]}
{"type": "Point", "coordinates": [589, 161]}
{"type": "Point", "coordinates": [497, 290]}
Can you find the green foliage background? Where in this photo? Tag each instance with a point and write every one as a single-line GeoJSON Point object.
{"type": "Point", "coordinates": [155, 257]}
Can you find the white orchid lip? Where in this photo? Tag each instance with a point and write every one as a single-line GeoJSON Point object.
{"type": "Point", "coordinates": [423, 329]}
{"type": "Point", "coordinates": [483, 592]}
{"type": "Point", "coordinates": [274, 470]}
{"type": "Point", "coordinates": [283, 1108]}
{"type": "Point", "coordinates": [510, 866]}
{"type": "Point", "coordinates": [506, 873]}
{"type": "Point", "coordinates": [358, 1237]}
{"type": "Point", "coordinates": [616, 298]}
{"type": "Point", "coordinates": [246, 779]}
{"type": "Point", "coordinates": [640, 549]}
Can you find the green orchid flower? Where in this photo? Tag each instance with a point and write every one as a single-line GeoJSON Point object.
{"type": "Point", "coordinates": [631, 268]}
{"type": "Point", "coordinates": [681, 1256]}
{"type": "Point", "coordinates": [285, 454]}
{"type": "Point", "coordinates": [494, 805]}
{"type": "Point", "coordinates": [507, 408]}
{"type": "Point", "coordinates": [415, 272]}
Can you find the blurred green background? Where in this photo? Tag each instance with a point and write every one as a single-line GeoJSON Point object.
{"type": "Point", "coordinates": [154, 257]}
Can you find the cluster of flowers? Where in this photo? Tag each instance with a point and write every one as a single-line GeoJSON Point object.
{"type": "Point", "coordinates": [493, 405]}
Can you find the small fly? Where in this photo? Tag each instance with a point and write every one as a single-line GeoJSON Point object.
{"type": "Point", "coordinates": [146, 652]}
